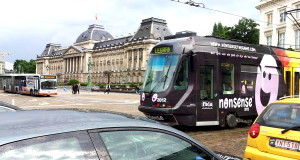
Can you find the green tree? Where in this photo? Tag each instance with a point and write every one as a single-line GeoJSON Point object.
{"type": "Point", "coordinates": [220, 31]}
{"type": "Point", "coordinates": [22, 66]}
{"type": "Point", "coordinates": [246, 30]}
{"type": "Point", "coordinates": [73, 81]}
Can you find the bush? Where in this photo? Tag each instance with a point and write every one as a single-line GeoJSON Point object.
{"type": "Point", "coordinates": [61, 84]}
{"type": "Point", "coordinates": [73, 81]}
{"type": "Point", "coordinates": [84, 84]}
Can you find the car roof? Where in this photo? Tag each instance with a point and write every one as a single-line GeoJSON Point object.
{"type": "Point", "coordinates": [288, 100]}
{"type": "Point", "coordinates": [8, 106]}
{"type": "Point", "coordinates": [20, 125]}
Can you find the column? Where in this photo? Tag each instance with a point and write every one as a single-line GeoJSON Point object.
{"type": "Point", "coordinates": [127, 59]}
{"type": "Point", "coordinates": [132, 58]}
{"type": "Point", "coordinates": [73, 64]}
{"type": "Point", "coordinates": [138, 59]}
{"type": "Point", "coordinates": [81, 64]}
{"type": "Point", "coordinates": [76, 64]}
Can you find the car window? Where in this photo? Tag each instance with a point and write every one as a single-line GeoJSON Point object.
{"type": "Point", "coordinates": [149, 145]}
{"type": "Point", "coordinates": [280, 115]}
{"type": "Point", "coordinates": [54, 147]}
{"type": "Point", "coordinates": [4, 109]}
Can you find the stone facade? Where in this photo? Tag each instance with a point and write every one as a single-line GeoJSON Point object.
{"type": "Point", "coordinates": [98, 57]}
{"type": "Point", "coordinates": [276, 27]}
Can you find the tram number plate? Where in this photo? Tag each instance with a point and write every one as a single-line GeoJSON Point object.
{"type": "Point", "coordinates": [279, 143]}
{"type": "Point", "coordinates": [157, 118]}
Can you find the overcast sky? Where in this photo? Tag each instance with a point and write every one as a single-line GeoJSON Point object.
{"type": "Point", "coordinates": [26, 26]}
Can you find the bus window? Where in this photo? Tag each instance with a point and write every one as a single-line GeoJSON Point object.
{"type": "Point", "coordinates": [206, 82]}
{"type": "Point", "coordinates": [227, 71]}
{"type": "Point", "coordinates": [181, 82]}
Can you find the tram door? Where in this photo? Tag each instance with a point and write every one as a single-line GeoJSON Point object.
{"type": "Point", "coordinates": [207, 103]}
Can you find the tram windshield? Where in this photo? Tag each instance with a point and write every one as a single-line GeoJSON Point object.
{"type": "Point", "coordinates": [160, 71]}
{"type": "Point", "coordinates": [48, 84]}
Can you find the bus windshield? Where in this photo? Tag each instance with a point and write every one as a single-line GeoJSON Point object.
{"type": "Point", "coordinates": [160, 70]}
{"type": "Point", "coordinates": [48, 84]}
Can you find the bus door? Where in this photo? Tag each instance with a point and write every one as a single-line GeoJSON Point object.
{"type": "Point", "coordinates": [207, 103]}
{"type": "Point", "coordinates": [295, 81]}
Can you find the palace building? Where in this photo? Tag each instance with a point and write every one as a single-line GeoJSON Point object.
{"type": "Point", "coordinates": [98, 57]}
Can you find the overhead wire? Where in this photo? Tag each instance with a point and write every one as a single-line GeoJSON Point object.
{"type": "Point", "coordinates": [192, 3]}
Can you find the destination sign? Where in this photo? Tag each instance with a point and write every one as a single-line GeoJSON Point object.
{"type": "Point", "coordinates": [163, 49]}
{"type": "Point", "coordinates": [49, 77]}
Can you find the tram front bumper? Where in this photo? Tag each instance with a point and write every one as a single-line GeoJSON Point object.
{"type": "Point", "coordinates": [163, 115]}
{"type": "Point", "coordinates": [170, 116]}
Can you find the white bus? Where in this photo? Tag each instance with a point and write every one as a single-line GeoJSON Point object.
{"type": "Point", "coordinates": [32, 84]}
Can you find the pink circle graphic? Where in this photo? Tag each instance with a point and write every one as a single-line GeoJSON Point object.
{"type": "Point", "coordinates": [154, 97]}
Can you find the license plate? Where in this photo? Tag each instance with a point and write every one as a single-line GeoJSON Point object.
{"type": "Point", "coordinates": [280, 143]}
{"type": "Point", "coordinates": [157, 118]}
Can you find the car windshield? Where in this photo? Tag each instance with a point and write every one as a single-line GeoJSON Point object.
{"type": "Point", "coordinates": [48, 84]}
{"type": "Point", "coordinates": [160, 71]}
{"type": "Point", "coordinates": [280, 115]}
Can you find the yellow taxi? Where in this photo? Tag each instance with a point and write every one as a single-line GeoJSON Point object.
{"type": "Point", "coordinates": [275, 134]}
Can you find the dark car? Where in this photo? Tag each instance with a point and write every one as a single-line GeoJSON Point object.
{"type": "Point", "coordinates": [95, 88]}
{"type": "Point", "coordinates": [78, 135]}
{"type": "Point", "coordinates": [5, 107]}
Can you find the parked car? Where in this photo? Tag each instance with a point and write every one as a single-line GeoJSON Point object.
{"type": "Point", "coordinates": [95, 88]}
{"type": "Point", "coordinates": [78, 135]}
{"type": "Point", "coordinates": [276, 132]}
{"type": "Point", "coordinates": [6, 107]}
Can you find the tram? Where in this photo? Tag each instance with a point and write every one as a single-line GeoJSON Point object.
{"type": "Point", "coordinates": [202, 81]}
{"type": "Point", "coordinates": [31, 84]}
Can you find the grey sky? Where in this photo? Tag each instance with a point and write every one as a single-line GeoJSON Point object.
{"type": "Point", "coordinates": [27, 26]}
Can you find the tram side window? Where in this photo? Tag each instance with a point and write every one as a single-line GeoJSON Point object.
{"type": "Point", "coordinates": [288, 82]}
{"type": "Point", "coordinates": [297, 77]}
{"type": "Point", "coordinates": [227, 71]}
{"type": "Point", "coordinates": [206, 82]}
{"type": "Point", "coordinates": [248, 78]}
{"type": "Point", "coordinates": [181, 82]}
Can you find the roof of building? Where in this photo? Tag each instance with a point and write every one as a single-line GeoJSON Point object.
{"type": "Point", "coordinates": [95, 32]}
{"type": "Point", "coordinates": [152, 28]}
{"type": "Point", "coordinates": [114, 42]}
{"type": "Point", "coordinates": [49, 49]}
{"type": "Point", "coordinates": [32, 123]}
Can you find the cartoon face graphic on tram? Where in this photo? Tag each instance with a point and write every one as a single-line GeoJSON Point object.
{"type": "Point", "coordinates": [267, 83]}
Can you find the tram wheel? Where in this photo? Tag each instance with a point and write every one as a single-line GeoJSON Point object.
{"type": "Point", "coordinates": [231, 121]}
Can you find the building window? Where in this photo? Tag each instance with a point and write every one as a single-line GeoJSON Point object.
{"type": "Point", "coordinates": [282, 16]}
{"type": "Point", "coordinates": [269, 19]}
{"type": "Point", "coordinates": [281, 38]}
{"type": "Point", "coordinates": [269, 40]}
{"type": "Point", "coordinates": [298, 11]}
{"type": "Point", "coordinates": [297, 39]}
